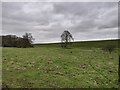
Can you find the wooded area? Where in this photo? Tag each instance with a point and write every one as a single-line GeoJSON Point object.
{"type": "Point", "coordinates": [15, 41]}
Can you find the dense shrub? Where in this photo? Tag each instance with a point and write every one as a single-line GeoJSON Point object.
{"type": "Point", "coordinates": [108, 48]}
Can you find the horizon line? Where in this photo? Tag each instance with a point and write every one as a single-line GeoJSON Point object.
{"type": "Point", "coordinates": [78, 41]}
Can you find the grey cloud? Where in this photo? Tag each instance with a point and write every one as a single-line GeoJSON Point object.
{"type": "Point", "coordinates": [46, 21]}
{"type": "Point", "coordinates": [89, 14]}
{"type": "Point", "coordinates": [82, 8]}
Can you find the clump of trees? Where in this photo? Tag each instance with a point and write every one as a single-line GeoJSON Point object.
{"type": "Point", "coordinates": [20, 42]}
{"type": "Point", "coordinates": [109, 48]}
{"type": "Point", "coordinates": [66, 38]}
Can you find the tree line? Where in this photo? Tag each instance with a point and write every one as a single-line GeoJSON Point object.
{"type": "Point", "coordinates": [15, 41]}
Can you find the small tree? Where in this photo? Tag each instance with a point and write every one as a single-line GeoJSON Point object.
{"type": "Point", "coordinates": [66, 37]}
{"type": "Point", "coordinates": [109, 48]}
{"type": "Point", "coordinates": [27, 40]}
{"type": "Point", "coordinates": [28, 36]}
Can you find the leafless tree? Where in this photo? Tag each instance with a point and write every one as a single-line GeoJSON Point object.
{"type": "Point", "coordinates": [65, 38]}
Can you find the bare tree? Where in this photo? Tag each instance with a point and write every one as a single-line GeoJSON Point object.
{"type": "Point", "coordinates": [65, 38]}
{"type": "Point", "coordinates": [28, 36]}
{"type": "Point", "coordinates": [27, 40]}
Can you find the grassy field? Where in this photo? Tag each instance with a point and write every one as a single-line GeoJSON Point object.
{"type": "Point", "coordinates": [45, 67]}
{"type": "Point", "coordinates": [85, 44]}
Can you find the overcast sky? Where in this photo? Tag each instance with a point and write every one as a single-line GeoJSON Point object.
{"type": "Point", "coordinates": [47, 20]}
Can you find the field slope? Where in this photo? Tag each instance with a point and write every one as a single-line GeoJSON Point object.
{"type": "Point", "coordinates": [55, 67]}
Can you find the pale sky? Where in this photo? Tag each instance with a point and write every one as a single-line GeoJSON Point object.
{"type": "Point", "coordinates": [47, 20]}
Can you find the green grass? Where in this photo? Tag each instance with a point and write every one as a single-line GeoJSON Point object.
{"type": "Point", "coordinates": [43, 67]}
{"type": "Point", "coordinates": [85, 44]}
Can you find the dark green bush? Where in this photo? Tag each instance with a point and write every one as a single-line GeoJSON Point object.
{"type": "Point", "coordinates": [109, 48]}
